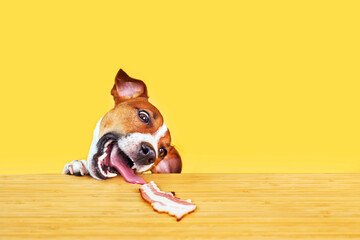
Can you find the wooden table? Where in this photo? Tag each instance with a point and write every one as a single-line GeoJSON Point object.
{"type": "Point", "coordinates": [230, 206]}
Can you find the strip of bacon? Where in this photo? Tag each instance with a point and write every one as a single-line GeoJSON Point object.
{"type": "Point", "coordinates": [166, 202]}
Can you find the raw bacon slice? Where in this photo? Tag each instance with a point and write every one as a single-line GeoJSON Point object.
{"type": "Point", "coordinates": [166, 202]}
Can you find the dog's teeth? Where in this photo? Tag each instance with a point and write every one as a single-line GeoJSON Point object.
{"type": "Point", "coordinates": [109, 174]}
{"type": "Point", "coordinates": [133, 167]}
{"type": "Point", "coordinates": [100, 168]}
{"type": "Point", "coordinates": [107, 143]}
{"type": "Point", "coordinates": [102, 157]}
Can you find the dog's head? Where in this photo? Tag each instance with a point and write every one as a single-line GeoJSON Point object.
{"type": "Point", "coordinates": [133, 136]}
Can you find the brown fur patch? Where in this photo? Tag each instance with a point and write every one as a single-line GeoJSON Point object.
{"type": "Point", "coordinates": [123, 118]}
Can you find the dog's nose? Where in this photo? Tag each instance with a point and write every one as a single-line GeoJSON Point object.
{"type": "Point", "coordinates": [147, 153]}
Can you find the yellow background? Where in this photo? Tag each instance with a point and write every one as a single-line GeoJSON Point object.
{"type": "Point", "coordinates": [244, 86]}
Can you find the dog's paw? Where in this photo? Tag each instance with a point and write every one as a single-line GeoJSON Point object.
{"type": "Point", "coordinates": [76, 167]}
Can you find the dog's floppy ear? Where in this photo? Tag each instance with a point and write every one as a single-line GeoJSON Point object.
{"type": "Point", "coordinates": [170, 164]}
{"type": "Point", "coordinates": [126, 87]}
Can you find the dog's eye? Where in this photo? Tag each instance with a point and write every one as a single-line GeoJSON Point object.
{"type": "Point", "coordinates": [162, 152]}
{"type": "Point", "coordinates": [144, 116]}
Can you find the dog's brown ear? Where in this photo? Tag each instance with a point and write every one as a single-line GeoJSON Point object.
{"type": "Point", "coordinates": [170, 164]}
{"type": "Point", "coordinates": [126, 87]}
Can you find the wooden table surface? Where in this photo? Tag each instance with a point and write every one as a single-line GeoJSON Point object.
{"type": "Point", "coordinates": [230, 206]}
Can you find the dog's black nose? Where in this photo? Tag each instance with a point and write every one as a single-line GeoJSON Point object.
{"type": "Point", "coordinates": [147, 153]}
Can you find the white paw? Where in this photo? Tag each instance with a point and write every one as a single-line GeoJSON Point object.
{"type": "Point", "coordinates": [76, 167]}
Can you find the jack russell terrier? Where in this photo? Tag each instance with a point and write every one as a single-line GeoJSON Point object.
{"type": "Point", "coordinates": [130, 138]}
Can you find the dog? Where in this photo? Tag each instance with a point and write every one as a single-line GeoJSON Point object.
{"type": "Point", "coordinates": [131, 138]}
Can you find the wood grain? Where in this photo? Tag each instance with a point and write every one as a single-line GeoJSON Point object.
{"type": "Point", "coordinates": [230, 206]}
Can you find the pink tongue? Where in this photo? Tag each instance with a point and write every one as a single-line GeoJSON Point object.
{"type": "Point", "coordinates": [117, 161]}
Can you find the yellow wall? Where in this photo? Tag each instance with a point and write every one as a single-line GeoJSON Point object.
{"type": "Point", "coordinates": [244, 86]}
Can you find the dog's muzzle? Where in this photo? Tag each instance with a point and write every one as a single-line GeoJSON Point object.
{"type": "Point", "coordinates": [111, 160]}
